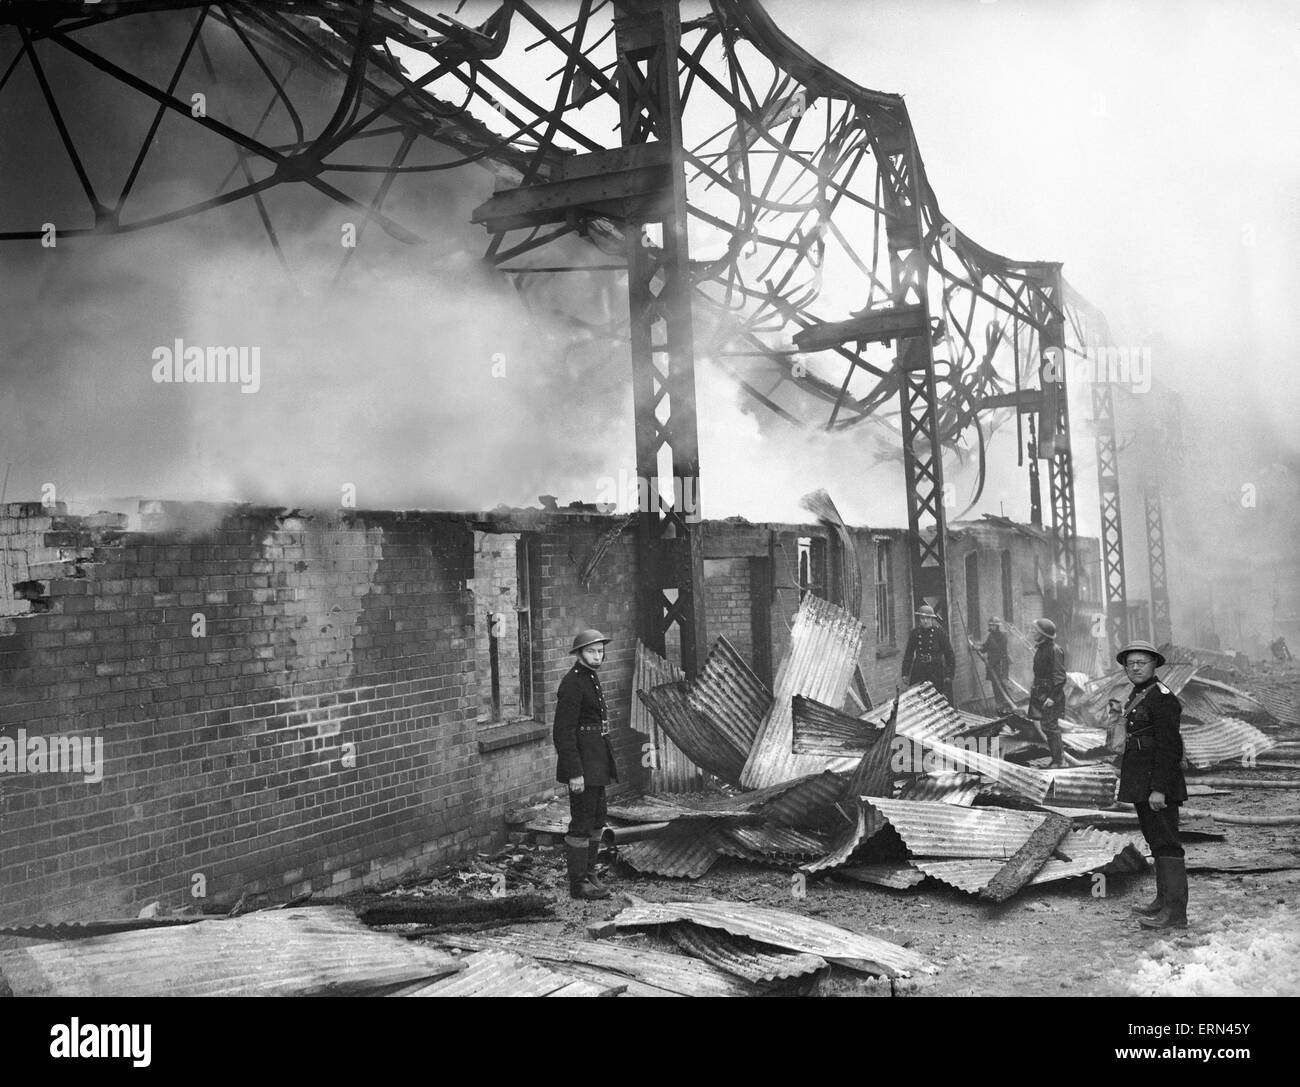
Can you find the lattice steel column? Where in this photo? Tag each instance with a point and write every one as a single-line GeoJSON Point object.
{"type": "Point", "coordinates": [1160, 618]}
{"type": "Point", "coordinates": [1112, 532]}
{"type": "Point", "coordinates": [1054, 443]}
{"type": "Point", "coordinates": [647, 34]}
{"type": "Point", "coordinates": [922, 450]}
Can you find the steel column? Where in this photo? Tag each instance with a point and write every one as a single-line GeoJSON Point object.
{"type": "Point", "coordinates": [1112, 532]}
{"type": "Point", "coordinates": [897, 159]}
{"type": "Point", "coordinates": [1054, 445]}
{"type": "Point", "coordinates": [1162, 625]}
{"type": "Point", "coordinates": [647, 35]}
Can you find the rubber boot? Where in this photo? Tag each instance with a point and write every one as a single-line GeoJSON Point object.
{"type": "Point", "coordinates": [1158, 903]}
{"type": "Point", "coordinates": [593, 850]}
{"type": "Point", "coordinates": [575, 854]}
{"type": "Point", "coordinates": [1174, 913]}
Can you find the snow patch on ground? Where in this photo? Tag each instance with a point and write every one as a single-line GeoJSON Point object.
{"type": "Point", "coordinates": [1259, 956]}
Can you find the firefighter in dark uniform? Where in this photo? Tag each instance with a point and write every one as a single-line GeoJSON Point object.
{"type": "Point", "coordinates": [586, 760]}
{"type": "Point", "coordinates": [928, 655]}
{"type": "Point", "coordinates": [1151, 779]}
{"type": "Point", "coordinates": [1047, 692]}
{"type": "Point", "coordinates": [998, 668]}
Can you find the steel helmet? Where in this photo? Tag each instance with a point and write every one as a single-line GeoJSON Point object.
{"type": "Point", "coordinates": [926, 612]}
{"type": "Point", "coordinates": [1045, 627]}
{"type": "Point", "coordinates": [587, 637]}
{"type": "Point", "coordinates": [1142, 646]}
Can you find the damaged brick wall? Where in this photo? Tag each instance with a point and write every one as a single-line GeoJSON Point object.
{"type": "Point", "coordinates": [287, 703]}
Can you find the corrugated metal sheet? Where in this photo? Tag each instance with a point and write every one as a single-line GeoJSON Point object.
{"type": "Point", "coordinates": [672, 807]}
{"type": "Point", "coordinates": [782, 929]}
{"type": "Point", "coordinates": [756, 843]}
{"type": "Point", "coordinates": [692, 732]}
{"type": "Point", "coordinates": [945, 830]}
{"type": "Point", "coordinates": [672, 770]}
{"type": "Point", "coordinates": [819, 504]}
{"type": "Point", "coordinates": [664, 971]}
{"type": "Point", "coordinates": [1084, 651]}
{"type": "Point", "coordinates": [1224, 740]}
{"type": "Point", "coordinates": [682, 854]}
{"type": "Point", "coordinates": [898, 875]}
{"type": "Point", "coordinates": [503, 973]}
{"type": "Point", "coordinates": [802, 803]}
{"type": "Point", "coordinates": [1084, 786]}
{"type": "Point", "coordinates": [309, 951]}
{"type": "Point", "coordinates": [730, 696]}
{"type": "Point", "coordinates": [824, 645]}
{"type": "Point", "coordinates": [819, 729]}
{"type": "Point", "coordinates": [1279, 699]}
{"type": "Point", "coordinates": [1021, 780]}
{"type": "Point", "coordinates": [744, 957]}
{"type": "Point", "coordinates": [923, 714]}
{"type": "Point", "coordinates": [866, 822]}
{"type": "Point", "coordinates": [1088, 849]}
{"type": "Point", "coordinates": [1217, 700]}
{"type": "Point", "coordinates": [1081, 741]}
{"type": "Point", "coordinates": [960, 789]}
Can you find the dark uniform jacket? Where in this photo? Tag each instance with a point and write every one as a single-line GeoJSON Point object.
{"type": "Point", "coordinates": [1153, 752]}
{"type": "Point", "coordinates": [581, 730]}
{"type": "Point", "coordinates": [1049, 681]}
{"type": "Point", "coordinates": [928, 655]}
{"type": "Point", "coordinates": [995, 652]}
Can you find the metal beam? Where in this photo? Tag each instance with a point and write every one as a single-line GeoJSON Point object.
{"type": "Point", "coordinates": [1054, 444]}
{"type": "Point", "coordinates": [647, 37]}
{"type": "Point", "coordinates": [1161, 623]}
{"type": "Point", "coordinates": [879, 325]}
{"type": "Point", "coordinates": [899, 165]}
{"type": "Point", "coordinates": [1112, 532]}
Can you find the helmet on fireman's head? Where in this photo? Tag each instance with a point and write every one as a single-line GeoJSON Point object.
{"type": "Point", "coordinates": [926, 612]}
{"type": "Point", "coordinates": [1140, 646]}
{"type": "Point", "coordinates": [1045, 627]}
{"type": "Point", "coordinates": [587, 637]}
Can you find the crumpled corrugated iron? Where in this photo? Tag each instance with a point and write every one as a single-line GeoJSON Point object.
{"type": "Point", "coordinates": [955, 788]}
{"type": "Point", "coordinates": [818, 729]}
{"type": "Point", "coordinates": [305, 951]}
{"type": "Point", "coordinates": [694, 733]}
{"type": "Point", "coordinates": [1088, 786]}
{"type": "Point", "coordinates": [945, 830]}
{"type": "Point", "coordinates": [659, 970]}
{"type": "Point", "coordinates": [672, 769]}
{"type": "Point", "coordinates": [1224, 740]}
{"type": "Point", "coordinates": [1279, 698]}
{"type": "Point", "coordinates": [865, 822]}
{"type": "Point", "coordinates": [1116, 685]}
{"type": "Point", "coordinates": [744, 957]}
{"type": "Point", "coordinates": [684, 852]}
{"type": "Point", "coordinates": [923, 714]}
{"type": "Point", "coordinates": [819, 663]}
{"type": "Point", "coordinates": [1209, 700]}
{"type": "Point", "coordinates": [503, 973]}
{"type": "Point", "coordinates": [1089, 849]}
{"type": "Point", "coordinates": [768, 843]}
{"type": "Point", "coordinates": [1023, 781]}
{"type": "Point", "coordinates": [780, 928]}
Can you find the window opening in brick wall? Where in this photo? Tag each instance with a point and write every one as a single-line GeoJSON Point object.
{"type": "Point", "coordinates": [884, 594]}
{"type": "Point", "coordinates": [973, 623]}
{"type": "Point", "coordinates": [812, 566]}
{"type": "Point", "coordinates": [1007, 598]}
{"type": "Point", "coordinates": [503, 654]}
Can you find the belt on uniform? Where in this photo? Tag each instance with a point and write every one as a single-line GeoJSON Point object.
{"type": "Point", "coordinates": [926, 660]}
{"type": "Point", "coordinates": [1136, 743]}
{"type": "Point", "coordinates": [602, 729]}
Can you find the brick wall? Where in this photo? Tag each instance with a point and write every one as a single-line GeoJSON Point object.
{"type": "Point", "coordinates": [320, 734]}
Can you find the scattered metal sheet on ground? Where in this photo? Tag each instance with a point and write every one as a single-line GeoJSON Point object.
{"type": "Point", "coordinates": [752, 843]}
{"type": "Point", "coordinates": [899, 875]}
{"type": "Point", "coordinates": [1222, 699]}
{"type": "Point", "coordinates": [945, 830]}
{"type": "Point", "coordinates": [873, 775]}
{"type": "Point", "coordinates": [819, 729]}
{"type": "Point", "coordinates": [866, 822]}
{"type": "Point", "coordinates": [923, 714]}
{"type": "Point", "coordinates": [1024, 781]}
{"type": "Point", "coordinates": [682, 853]}
{"type": "Point", "coordinates": [1278, 698]}
{"type": "Point", "coordinates": [742, 956]}
{"type": "Point", "coordinates": [1083, 786]}
{"type": "Point", "coordinates": [85, 930]}
{"type": "Point", "coordinates": [672, 769]}
{"type": "Point", "coordinates": [1089, 849]}
{"type": "Point", "coordinates": [1022, 865]}
{"type": "Point", "coordinates": [694, 733]}
{"type": "Point", "coordinates": [504, 973]}
{"type": "Point", "coordinates": [1083, 741]}
{"type": "Point", "coordinates": [956, 788]}
{"type": "Point", "coordinates": [783, 929]}
{"type": "Point", "coordinates": [306, 951]}
{"type": "Point", "coordinates": [819, 663]}
{"type": "Point", "coordinates": [802, 803]}
{"type": "Point", "coordinates": [1224, 740]}
{"type": "Point", "coordinates": [662, 970]}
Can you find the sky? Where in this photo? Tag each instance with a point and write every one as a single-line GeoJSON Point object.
{"type": "Point", "coordinates": [1149, 145]}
